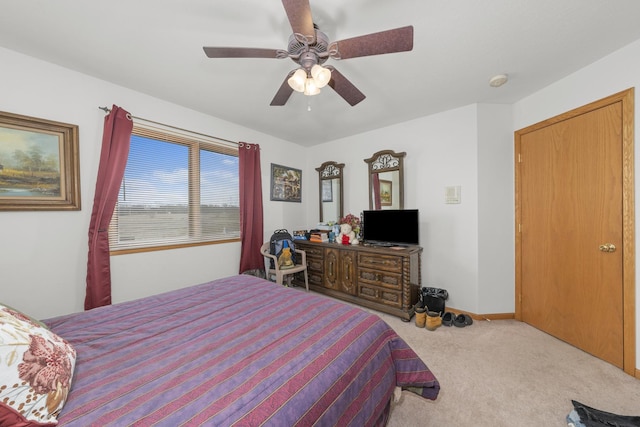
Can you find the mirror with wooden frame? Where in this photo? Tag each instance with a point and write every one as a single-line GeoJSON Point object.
{"type": "Point", "coordinates": [386, 180]}
{"type": "Point", "coordinates": [330, 190]}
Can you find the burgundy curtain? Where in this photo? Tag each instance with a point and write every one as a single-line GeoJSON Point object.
{"type": "Point", "coordinates": [251, 220]}
{"type": "Point", "coordinates": [376, 191]}
{"type": "Point", "coordinates": [113, 160]}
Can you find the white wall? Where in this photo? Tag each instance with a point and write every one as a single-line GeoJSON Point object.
{"type": "Point", "coordinates": [43, 255]}
{"type": "Point", "coordinates": [447, 149]}
{"type": "Point", "coordinates": [496, 213]}
{"type": "Point", "coordinates": [612, 74]}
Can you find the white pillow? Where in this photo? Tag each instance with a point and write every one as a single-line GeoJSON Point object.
{"type": "Point", "coordinates": [36, 369]}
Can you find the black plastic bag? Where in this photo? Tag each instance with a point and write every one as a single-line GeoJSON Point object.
{"type": "Point", "coordinates": [434, 299]}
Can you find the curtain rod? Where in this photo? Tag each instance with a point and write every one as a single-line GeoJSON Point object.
{"type": "Point", "coordinates": [108, 110]}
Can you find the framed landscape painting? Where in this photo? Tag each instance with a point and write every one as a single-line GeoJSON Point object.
{"type": "Point", "coordinates": [386, 195]}
{"type": "Point", "coordinates": [39, 164]}
{"type": "Point", "coordinates": [286, 184]}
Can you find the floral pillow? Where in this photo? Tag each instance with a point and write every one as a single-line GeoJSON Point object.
{"type": "Point", "coordinates": [36, 369]}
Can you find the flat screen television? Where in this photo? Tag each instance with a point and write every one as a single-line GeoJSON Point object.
{"type": "Point", "coordinates": [391, 227]}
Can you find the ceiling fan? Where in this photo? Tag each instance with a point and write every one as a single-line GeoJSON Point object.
{"type": "Point", "coordinates": [310, 48]}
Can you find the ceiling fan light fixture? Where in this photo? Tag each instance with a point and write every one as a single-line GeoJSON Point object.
{"type": "Point", "coordinates": [321, 75]}
{"type": "Point", "coordinates": [298, 80]}
{"type": "Point", "coordinates": [310, 48]}
{"type": "Point", "coordinates": [310, 88]}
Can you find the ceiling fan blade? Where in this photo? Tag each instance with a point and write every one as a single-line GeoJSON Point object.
{"type": "Point", "coordinates": [300, 18]}
{"type": "Point", "coordinates": [344, 87]}
{"type": "Point", "coordinates": [240, 52]}
{"type": "Point", "coordinates": [283, 94]}
{"type": "Point", "coordinates": [390, 41]}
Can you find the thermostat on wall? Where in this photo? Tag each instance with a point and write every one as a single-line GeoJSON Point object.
{"type": "Point", "coordinates": [452, 195]}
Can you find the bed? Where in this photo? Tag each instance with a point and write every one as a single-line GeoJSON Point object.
{"type": "Point", "coordinates": [238, 351]}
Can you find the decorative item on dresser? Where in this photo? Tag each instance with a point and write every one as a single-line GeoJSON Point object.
{"type": "Point", "coordinates": [382, 278]}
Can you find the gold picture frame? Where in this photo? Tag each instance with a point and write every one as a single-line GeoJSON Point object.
{"type": "Point", "coordinates": [386, 196]}
{"type": "Point", "coordinates": [39, 164]}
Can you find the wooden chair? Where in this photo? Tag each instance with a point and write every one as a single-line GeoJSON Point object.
{"type": "Point", "coordinates": [301, 266]}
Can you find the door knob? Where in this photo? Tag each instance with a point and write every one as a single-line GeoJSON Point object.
{"type": "Point", "coordinates": [607, 247]}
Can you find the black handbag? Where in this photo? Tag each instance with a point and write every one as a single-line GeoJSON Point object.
{"type": "Point", "coordinates": [434, 299]}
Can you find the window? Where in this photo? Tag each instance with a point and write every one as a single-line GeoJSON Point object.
{"type": "Point", "coordinates": [179, 189]}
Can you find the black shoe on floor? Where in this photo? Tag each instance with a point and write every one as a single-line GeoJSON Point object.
{"type": "Point", "coordinates": [447, 319]}
{"type": "Point", "coordinates": [462, 320]}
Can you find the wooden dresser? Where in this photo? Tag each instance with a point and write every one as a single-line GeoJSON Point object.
{"type": "Point", "coordinates": [384, 279]}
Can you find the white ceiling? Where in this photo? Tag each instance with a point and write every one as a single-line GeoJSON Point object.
{"type": "Point", "coordinates": [155, 47]}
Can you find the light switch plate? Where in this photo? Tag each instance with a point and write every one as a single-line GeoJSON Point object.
{"type": "Point", "coordinates": [452, 195]}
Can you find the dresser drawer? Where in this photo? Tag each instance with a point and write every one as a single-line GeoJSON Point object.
{"type": "Point", "coordinates": [380, 278]}
{"type": "Point", "coordinates": [388, 297]}
{"type": "Point", "coordinates": [315, 278]}
{"type": "Point", "coordinates": [314, 273]}
{"type": "Point", "coordinates": [315, 269]}
{"type": "Point", "coordinates": [380, 262]}
{"type": "Point", "coordinates": [311, 251]}
{"type": "Point", "coordinates": [315, 264]}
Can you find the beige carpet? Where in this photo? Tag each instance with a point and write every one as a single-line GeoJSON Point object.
{"type": "Point", "coordinates": [507, 373]}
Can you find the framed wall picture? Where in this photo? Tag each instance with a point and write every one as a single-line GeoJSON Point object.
{"type": "Point", "coordinates": [286, 184]}
{"type": "Point", "coordinates": [386, 196]}
{"type": "Point", "coordinates": [327, 190]}
{"type": "Point", "coordinates": [39, 164]}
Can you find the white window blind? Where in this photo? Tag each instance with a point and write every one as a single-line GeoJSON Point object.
{"type": "Point", "coordinates": [179, 189]}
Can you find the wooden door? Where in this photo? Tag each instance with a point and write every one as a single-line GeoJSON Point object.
{"type": "Point", "coordinates": [571, 229]}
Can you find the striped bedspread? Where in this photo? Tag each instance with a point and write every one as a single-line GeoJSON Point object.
{"type": "Point", "coordinates": [236, 351]}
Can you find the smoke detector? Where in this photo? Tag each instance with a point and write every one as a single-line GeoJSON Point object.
{"type": "Point", "coordinates": [499, 80]}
